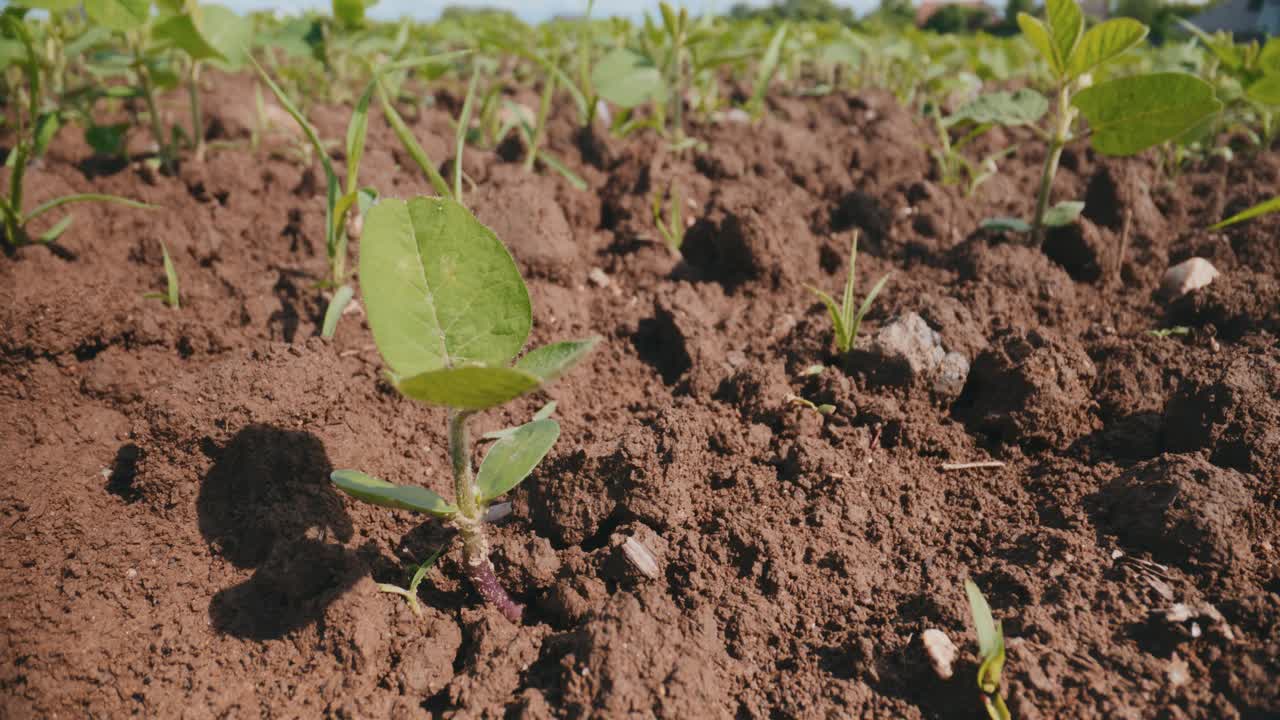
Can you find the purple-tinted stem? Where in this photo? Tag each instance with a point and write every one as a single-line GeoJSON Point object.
{"type": "Point", "coordinates": [470, 523]}
{"type": "Point", "coordinates": [480, 570]}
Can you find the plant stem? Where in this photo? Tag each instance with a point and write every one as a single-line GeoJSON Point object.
{"type": "Point", "coordinates": [149, 92]}
{"type": "Point", "coordinates": [470, 523]}
{"type": "Point", "coordinates": [197, 117]}
{"type": "Point", "coordinates": [1061, 134]}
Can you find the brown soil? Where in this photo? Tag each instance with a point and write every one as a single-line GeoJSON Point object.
{"type": "Point", "coordinates": [170, 545]}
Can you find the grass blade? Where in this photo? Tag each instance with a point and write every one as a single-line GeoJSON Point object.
{"type": "Point", "coordinates": [356, 133]}
{"type": "Point", "coordinates": [866, 305]}
{"type": "Point", "coordinates": [85, 197]}
{"type": "Point", "coordinates": [460, 137]}
{"type": "Point", "coordinates": [332, 314]}
{"type": "Point", "coordinates": [1262, 208]}
{"type": "Point", "coordinates": [577, 182]}
{"type": "Point", "coordinates": [411, 145]}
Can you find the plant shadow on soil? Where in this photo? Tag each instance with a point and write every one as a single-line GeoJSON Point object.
{"type": "Point", "coordinates": [267, 504]}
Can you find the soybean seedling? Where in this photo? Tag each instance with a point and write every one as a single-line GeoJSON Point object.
{"type": "Point", "coordinates": [990, 653]}
{"type": "Point", "coordinates": [1127, 114]}
{"type": "Point", "coordinates": [34, 131]}
{"type": "Point", "coordinates": [672, 227]}
{"type": "Point", "coordinates": [449, 311]}
{"type": "Point", "coordinates": [845, 320]}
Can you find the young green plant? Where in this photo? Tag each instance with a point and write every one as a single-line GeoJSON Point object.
{"type": "Point", "coordinates": [1126, 114]}
{"type": "Point", "coordinates": [990, 653]}
{"type": "Point", "coordinates": [846, 318]}
{"type": "Point", "coordinates": [449, 312]}
{"type": "Point", "coordinates": [671, 228]}
{"type": "Point", "coordinates": [33, 131]}
{"type": "Point", "coordinates": [170, 296]}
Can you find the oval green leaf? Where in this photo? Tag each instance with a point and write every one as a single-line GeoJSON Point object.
{"type": "Point", "coordinates": [512, 458]}
{"type": "Point", "coordinates": [118, 15]}
{"type": "Point", "coordinates": [1105, 41]}
{"type": "Point", "coordinates": [1265, 91]}
{"type": "Point", "coordinates": [1064, 213]}
{"type": "Point", "coordinates": [551, 361]}
{"type": "Point", "coordinates": [469, 388]}
{"type": "Point", "coordinates": [1130, 114]}
{"type": "Point", "coordinates": [1038, 35]}
{"type": "Point", "coordinates": [439, 288]}
{"type": "Point", "coordinates": [401, 497]}
{"type": "Point", "coordinates": [1023, 107]}
{"type": "Point", "coordinates": [1066, 24]}
{"type": "Point", "coordinates": [626, 78]}
{"type": "Point", "coordinates": [211, 32]}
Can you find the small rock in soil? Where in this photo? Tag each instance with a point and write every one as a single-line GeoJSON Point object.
{"type": "Point", "coordinates": [1187, 276]}
{"type": "Point", "coordinates": [942, 652]}
{"type": "Point", "coordinates": [908, 351]}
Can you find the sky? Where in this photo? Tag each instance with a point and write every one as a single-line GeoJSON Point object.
{"type": "Point", "coordinates": [529, 10]}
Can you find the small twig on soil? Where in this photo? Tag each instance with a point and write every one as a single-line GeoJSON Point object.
{"type": "Point", "coordinates": [973, 465]}
{"type": "Point", "coordinates": [1124, 242]}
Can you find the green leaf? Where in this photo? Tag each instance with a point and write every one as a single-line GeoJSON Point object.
{"type": "Point", "coordinates": [411, 144]}
{"type": "Point", "coordinates": [1066, 23]}
{"type": "Point", "coordinates": [56, 231]}
{"type": "Point", "coordinates": [349, 13]}
{"type": "Point", "coordinates": [58, 202]}
{"type": "Point", "coordinates": [357, 130]}
{"type": "Point", "coordinates": [551, 361]}
{"type": "Point", "coordinates": [1006, 224]}
{"type": "Point", "coordinates": [1038, 35]}
{"type": "Point", "coordinates": [767, 68]}
{"type": "Point", "coordinates": [1064, 213]}
{"type": "Point", "coordinates": [440, 289]}
{"type": "Point", "coordinates": [512, 458]}
{"type": "Point", "coordinates": [1130, 114]}
{"type": "Point", "coordinates": [983, 623]}
{"type": "Point", "coordinates": [171, 279]}
{"type": "Point", "coordinates": [118, 15]}
{"type": "Point", "coordinates": [626, 78]}
{"type": "Point", "coordinates": [1105, 41]}
{"type": "Point", "coordinates": [1265, 91]}
{"type": "Point", "coordinates": [107, 139]}
{"type": "Point", "coordinates": [1023, 107]}
{"type": "Point", "coordinates": [401, 497]}
{"type": "Point", "coordinates": [213, 32]}
{"type": "Point", "coordinates": [474, 387]}
{"type": "Point", "coordinates": [54, 5]}
{"type": "Point", "coordinates": [341, 298]}
{"type": "Point", "coordinates": [1262, 208]}
{"type": "Point", "coordinates": [837, 318]}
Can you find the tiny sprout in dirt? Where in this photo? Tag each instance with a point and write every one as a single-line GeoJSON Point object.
{"type": "Point", "coordinates": [449, 312]}
{"type": "Point", "coordinates": [844, 319]}
{"type": "Point", "coordinates": [990, 653]}
{"type": "Point", "coordinates": [170, 295]}
{"type": "Point", "coordinates": [670, 223]}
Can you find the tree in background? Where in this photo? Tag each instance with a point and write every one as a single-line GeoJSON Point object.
{"type": "Point", "coordinates": [792, 10]}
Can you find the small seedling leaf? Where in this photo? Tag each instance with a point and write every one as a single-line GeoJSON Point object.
{"type": "Point", "coordinates": [441, 290]}
{"type": "Point", "coordinates": [626, 78]}
{"type": "Point", "coordinates": [513, 457]}
{"type": "Point", "coordinates": [357, 129]}
{"type": "Point", "coordinates": [1066, 23]}
{"type": "Point", "coordinates": [380, 492]}
{"type": "Point", "coordinates": [1038, 35]}
{"type": "Point", "coordinates": [1130, 114]}
{"type": "Point", "coordinates": [837, 319]}
{"type": "Point", "coordinates": [545, 411]}
{"type": "Point", "coordinates": [551, 361]}
{"type": "Point", "coordinates": [983, 622]}
{"type": "Point", "coordinates": [1064, 213]}
{"type": "Point", "coordinates": [341, 298]}
{"type": "Point", "coordinates": [58, 202]}
{"type": "Point", "coordinates": [1262, 208]}
{"type": "Point", "coordinates": [411, 144]}
{"type": "Point", "coordinates": [1106, 41]}
{"type": "Point", "coordinates": [468, 388]}
{"type": "Point", "coordinates": [171, 279]}
{"type": "Point", "coordinates": [56, 231]}
{"type": "Point", "coordinates": [1022, 107]}
{"type": "Point", "coordinates": [118, 15]}
{"type": "Point", "coordinates": [1266, 90]}
{"type": "Point", "coordinates": [1006, 224]}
